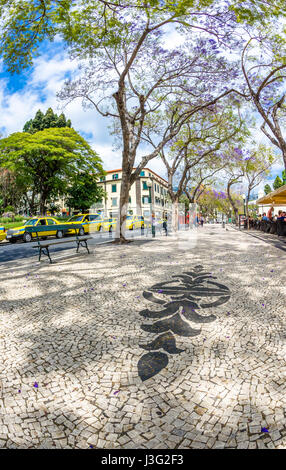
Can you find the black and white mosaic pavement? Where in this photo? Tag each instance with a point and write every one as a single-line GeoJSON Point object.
{"type": "Point", "coordinates": [158, 344]}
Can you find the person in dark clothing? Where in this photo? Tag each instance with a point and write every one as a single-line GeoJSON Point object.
{"type": "Point", "coordinates": [165, 227]}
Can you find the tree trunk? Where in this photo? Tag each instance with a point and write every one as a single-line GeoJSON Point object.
{"type": "Point", "coordinates": [43, 199]}
{"type": "Point", "coordinates": [175, 214]}
{"type": "Point", "coordinates": [247, 210]}
{"type": "Point", "coordinates": [123, 205]}
{"type": "Point", "coordinates": [235, 209]}
{"type": "Point", "coordinates": [30, 202]}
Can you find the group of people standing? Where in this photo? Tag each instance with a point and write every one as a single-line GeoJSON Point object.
{"type": "Point", "coordinates": [200, 220]}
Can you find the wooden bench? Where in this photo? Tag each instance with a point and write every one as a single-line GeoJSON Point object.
{"type": "Point", "coordinates": [43, 246]}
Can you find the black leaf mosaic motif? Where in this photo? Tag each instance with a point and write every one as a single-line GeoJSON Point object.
{"type": "Point", "coordinates": [152, 363]}
{"type": "Point", "coordinates": [188, 292]}
{"type": "Point", "coordinates": [165, 341]}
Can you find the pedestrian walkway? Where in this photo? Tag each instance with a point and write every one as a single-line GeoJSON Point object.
{"type": "Point", "coordinates": [159, 344]}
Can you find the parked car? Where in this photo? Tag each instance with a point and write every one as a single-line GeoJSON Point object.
{"type": "Point", "coordinates": [109, 225]}
{"type": "Point", "coordinates": [20, 233]}
{"type": "Point", "coordinates": [90, 223]}
{"type": "Point", "coordinates": [2, 234]}
{"type": "Point", "coordinates": [134, 221]}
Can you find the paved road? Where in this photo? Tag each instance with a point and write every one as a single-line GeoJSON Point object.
{"type": "Point", "coordinates": [21, 250]}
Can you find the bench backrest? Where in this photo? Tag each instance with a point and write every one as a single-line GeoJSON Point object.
{"type": "Point", "coordinates": [52, 228]}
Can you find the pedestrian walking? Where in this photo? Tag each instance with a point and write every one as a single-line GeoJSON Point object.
{"type": "Point", "coordinates": [165, 227]}
{"type": "Point", "coordinates": [202, 221]}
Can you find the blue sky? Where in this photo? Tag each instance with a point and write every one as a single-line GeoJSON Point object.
{"type": "Point", "coordinates": [22, 95]}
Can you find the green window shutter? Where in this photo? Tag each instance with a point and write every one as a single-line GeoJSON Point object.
{"type": "Point", "coordinates": [145, 185]}
{"type": "Point", "coordinates": [113, 189]}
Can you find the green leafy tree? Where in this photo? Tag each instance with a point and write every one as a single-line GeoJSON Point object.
{"type": "Point", "coordinates": [11, 188]}
{"type": "Point", "coordinates": [48, 161]}
{"type": "Point", "coordinates": [284, 176]}
{"type": "Point", "coordinates": [84, 192]}
{"type": "Point", "coordinates": [213, 202]}
{"type": "Point", "coordinates": [277, 183]}
{"type": "Point", "coordinates": [267, 189]}
{"type": "Point", "coordinates": [256, 165]}
{"type": "Point", "coordinates": [43, 121]}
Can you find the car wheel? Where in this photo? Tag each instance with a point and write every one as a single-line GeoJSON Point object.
{"type": "Point", "coordinates": [100, 229]}
{"type": "Point", "coordinates": [60, 234]}
{"type": "Point", "coordinates": [27, 237]}
{"type": "Point", "coordinates": [81, 231]}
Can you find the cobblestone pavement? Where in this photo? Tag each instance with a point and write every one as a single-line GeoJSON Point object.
{"type": "Point", "coordinates": [70, 335]}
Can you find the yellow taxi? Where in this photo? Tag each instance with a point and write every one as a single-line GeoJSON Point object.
{"type": "Point", "coordinates": [90, 223]}
{"type": "Point", "coordinates": [2, 234]}
{"type": "Point", "coordinates": [109, 225]}
{"type": "Point", "coordinates": [134, 221]}
{"type": "Point", "coordinates": [20, 233]}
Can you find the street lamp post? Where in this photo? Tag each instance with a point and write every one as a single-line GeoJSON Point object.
{"type": "Point", "coordinates": [152, 216]}
{"type": "Point", "coordinates": [244, 200]}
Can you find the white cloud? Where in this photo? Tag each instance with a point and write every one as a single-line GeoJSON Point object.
{"type": "Point", "coordinates": [45, 80]}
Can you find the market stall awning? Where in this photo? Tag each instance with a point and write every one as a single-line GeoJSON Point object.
{"type": "Point", "coordinates": [276, 198]}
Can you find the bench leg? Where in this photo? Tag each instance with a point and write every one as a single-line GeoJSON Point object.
{"type": "Point", "coordinates": [80, 243]}
{"type": "Point", "coordinates": [87, 247]}
{"type": "Point", "coordinates": [48, 254]}
{"type": "Point", "coordinates": [45, 252]}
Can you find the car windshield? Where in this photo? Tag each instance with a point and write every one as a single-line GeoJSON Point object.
{"type": "Point", "coordinates": [129, 217]}
{"type": "Point", "coordinates": [31, 222]}
{"type": "Point", "coordinates": [76, 218]}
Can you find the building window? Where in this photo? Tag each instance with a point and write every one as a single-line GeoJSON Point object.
{"type": "Point", "coordinates": [114, 201]}
{"type": "Point", "coordinates": [102, 178]}
{"type": "Point", "coordinates": [115, 176]}
{"type": "Point", "coordinates": [144, 185]}
{"type": "Point", "coordinates": [113, 188]}
{"type": "Point", "coordinates": [145, 199]}
{"type": "Point", "coordinates": [142, 173]}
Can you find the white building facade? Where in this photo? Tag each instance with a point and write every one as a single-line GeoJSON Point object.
{"type": "Point", "coordinates": [147, 193]}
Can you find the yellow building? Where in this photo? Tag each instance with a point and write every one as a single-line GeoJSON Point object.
{"type": "Point", "coordinates": [148, 192]}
